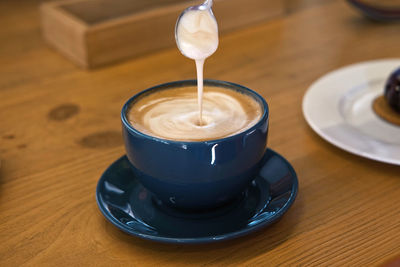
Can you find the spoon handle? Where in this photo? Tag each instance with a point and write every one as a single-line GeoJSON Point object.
{"type": "Point", "coordinates": [208, 3]}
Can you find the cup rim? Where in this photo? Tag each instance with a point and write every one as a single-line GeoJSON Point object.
{"type": "Point", "coordinates": [192, 82]}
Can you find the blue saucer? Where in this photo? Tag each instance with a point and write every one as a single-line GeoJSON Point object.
{"type": "Point", "coordinates": [133, 209]}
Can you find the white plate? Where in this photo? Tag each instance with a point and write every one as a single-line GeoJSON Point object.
{"type": "Point", "coordinates": [338, 107]}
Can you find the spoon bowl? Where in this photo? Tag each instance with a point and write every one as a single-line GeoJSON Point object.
{"type": "Point", "coordinates": [206, 6]}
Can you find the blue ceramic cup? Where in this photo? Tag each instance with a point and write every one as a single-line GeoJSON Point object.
{"type": "Point", "coordinates": [196, 175]}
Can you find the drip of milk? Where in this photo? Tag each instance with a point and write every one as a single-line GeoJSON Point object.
{"type": "Point", "coordinates": [197, 38]}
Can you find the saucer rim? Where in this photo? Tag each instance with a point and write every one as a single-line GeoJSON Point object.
{"type": "Point", "coordinates": [206, 239]}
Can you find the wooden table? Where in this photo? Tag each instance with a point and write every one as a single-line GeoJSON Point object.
{"type": "Point", "coordinates": [60, 129]}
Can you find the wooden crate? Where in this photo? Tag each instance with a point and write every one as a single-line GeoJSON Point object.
{"type": "Point", "coordinates": [93, 33]}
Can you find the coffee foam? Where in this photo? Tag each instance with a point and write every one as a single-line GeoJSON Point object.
{"type": "Point", "coordinates": [173, 113]}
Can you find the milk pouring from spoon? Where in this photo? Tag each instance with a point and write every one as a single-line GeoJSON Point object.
{"type": "Point", "coordinates": [196, 35]}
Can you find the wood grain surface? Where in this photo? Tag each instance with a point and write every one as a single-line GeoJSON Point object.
{"type": "Point", "coordinates": [60, 129]}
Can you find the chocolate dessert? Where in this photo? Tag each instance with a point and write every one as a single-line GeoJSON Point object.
{"type": "Point", "coordinates": [387, 106]}
{"type": "Point", "coordinates": [392, 90]}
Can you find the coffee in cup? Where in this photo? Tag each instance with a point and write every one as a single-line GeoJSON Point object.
{"type": "Point", "coordinates": [172, 113]}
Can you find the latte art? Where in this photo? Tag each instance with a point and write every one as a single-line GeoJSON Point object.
{"type": "Point", "coordinates": [173, 114]}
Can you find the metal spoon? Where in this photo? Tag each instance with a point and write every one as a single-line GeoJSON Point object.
{"type": "Point", "coordinates": [205, 6]}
